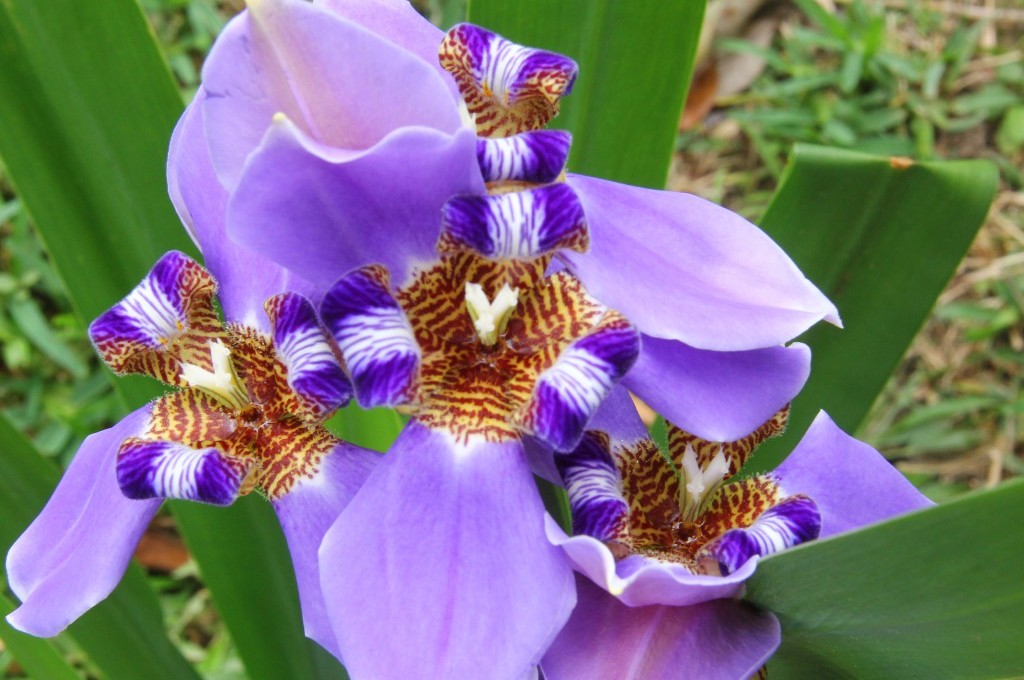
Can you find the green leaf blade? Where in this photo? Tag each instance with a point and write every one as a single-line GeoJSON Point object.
{"type": "Point", "coordinates": [881, 237]}
{"type": "Point", "coordinates": [934, 594]}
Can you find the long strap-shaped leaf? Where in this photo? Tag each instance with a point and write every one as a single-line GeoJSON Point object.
{"type": "Point", "coordinates": [935, 594]}
{"type": "Point", "coordinates": [88, 108]}
{"type": "Point", "coordinates": [124, 635]}
{"type": "Point", "coordinates": [881, 237]}
{"type": "Point", "coordinates": [635, 58]}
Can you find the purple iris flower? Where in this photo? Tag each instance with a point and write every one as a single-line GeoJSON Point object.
{"type": "Point", "coordinates": [248, 416]}
{"type": "Point", "coordinates": [663, 543]}
{"type": "Point", "coordinates": [484, 291]}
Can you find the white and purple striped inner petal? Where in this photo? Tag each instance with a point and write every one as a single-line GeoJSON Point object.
{"type": "Point", "coordinates": [538, 156]}
{"type": "Point", "coordinates": [519, 225]}
{"type": "Point", "coordinates": [508, 88]}
{"type": "Point", "coordinates": [374, 337]}
{"type": "Point", "coordinates": [594, 487]}
{"type": "Point", "coordinates": [791, 522]}
{"type": "Point", "coordinates": [302, 345]}
{"type": "Point", "coordinates": [165, 469]}
{"type": "Point", "coordinates": [568, 393]}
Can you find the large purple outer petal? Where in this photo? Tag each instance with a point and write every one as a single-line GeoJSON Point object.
{"type": "Point", "coordinates": [397, 22]}
{"type": "Point", "coordinates": [851, 483]}
{"type": "Point", "coordinates": [718, 396]}
{"type": "Point", "coordinates": [306, 513]}
{"type": "Point", "coordinates": [77, 549]}
{"type": "Point", "coordinates": [245, 278]}
{"type": "Point", "coordinates": [439, 567]}
{"type": "Point", "coordinates": [606, 640]}
{"type": "Point", "coordinates": [344, 85]}
{"type": "Point", "coordinates": [640, 581]}
{"type": "Point", "coordinates": [339, 211]}
{"type": "Point", "coordinates": [683, 268]}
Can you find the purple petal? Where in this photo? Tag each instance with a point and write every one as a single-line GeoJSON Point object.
{"type": "Point", "coordinates": [337, 212]}
{"type": "Point", "coordinates": [538, 156]}
{"type": "Point", "coordinates": [507, 88]}
{"type": "Point", "coordinates": [618, 418]}
{"type": "Point", "coordinates": [592, 482]}
{"type": "Point", "coordinates": [246, 279]}
{"type": "Point", "coordinates": [75, 552]}
{"type": "Point", "coordinates": [149, 468]}
{"type": "Point", "coordinates": [682, 268]}
{"type": "Point", "coordinates": [154, 313]}
{"type": "Point", "coordinates": [606, 640]}
{"type": "Point", "coordinates": [518, 225]}
{"type": "Point", "coordinates": [568, 393]}
{"type": "Point", "coordinates": [851, 483]}
{"type": "Point", "coordinates": [320, 70]}
{"type": "Point", "coordinates": [718, 396]}
{"type": "Point", "coordinates": [375, 338]}
{"type": "Point", "coordinates": [396, 21]}
{"type": "Point", "coordinates": [439, 568]}
{"type": "Point", "coordinates": [639, 580]}
{"type": "Point", "coordinates": [306, 513]}
{"type": "Point", "coordinates": [793, 521]}
{"type": "Point", "coordinates": [314, 373]}
{"type": "Point", "coordinates": [541, 459]}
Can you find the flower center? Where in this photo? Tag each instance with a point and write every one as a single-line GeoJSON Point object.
{"type": "Point", "coordinates": [250, 409]}
{"type": "Point", "coordinates": [480, 369]}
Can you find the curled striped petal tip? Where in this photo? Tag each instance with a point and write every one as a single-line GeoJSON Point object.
{"type": "Point", "coordinates": [149, 468]}
{"type": "Point", "coordinates": [594, 487]}
{"type": "Point", "coordinates": [521, 225]}
{"type": "Point", "coordinates": [538, 157]}
{"type": "Point", "coordinates": [374, 337]}
{"type": "Point", "coordinates": [791, 522]}
{"type": "Point", "coordinates": [569, 392]}
{"type": "Point", "coordinates": [313, 371]}
{"type": "Point", "coordinates": [507, 88]}
{"type": "Point", "coordinates": [155, 314]}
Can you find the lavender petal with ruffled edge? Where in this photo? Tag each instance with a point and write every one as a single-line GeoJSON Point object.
{"type": "Point", "coordinates": [607, 640]}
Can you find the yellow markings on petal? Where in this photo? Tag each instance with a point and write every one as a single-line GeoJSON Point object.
{"type": "Point", "coordinates": [472, 389]}
{"type": "Point", "coordinates": [268, 430]}
{"type": "Point", "coordinates": [736, 452]}
{"type": "Point", "coordinates": [680, 502]}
